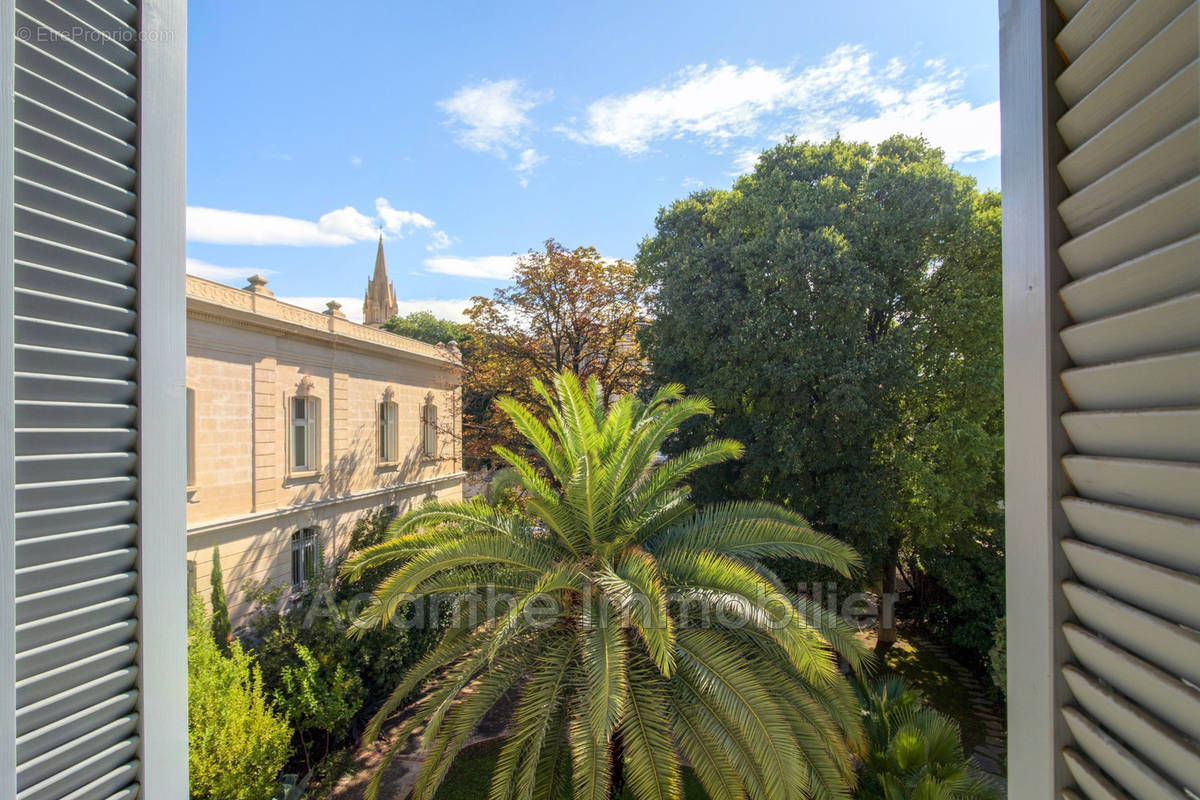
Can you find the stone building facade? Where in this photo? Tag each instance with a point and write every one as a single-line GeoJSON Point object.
{"type": "Point", "coordinates": [300, 423]}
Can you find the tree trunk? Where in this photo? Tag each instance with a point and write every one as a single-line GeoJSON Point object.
{"type": "Point", "coordinates": [887, 599]}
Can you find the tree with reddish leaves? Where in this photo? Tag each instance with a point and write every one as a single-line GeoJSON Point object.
{"type": "Point", "coordinates": [565, 310]}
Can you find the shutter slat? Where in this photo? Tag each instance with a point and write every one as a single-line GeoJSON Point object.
{"type": "Point", "coordinates": [74, 466]}
{"type": "Point", "coordinates": [74, 362]}
{"type": "Point", "coordinates": [100, 44]}
{"type": "Point", "coordinates": [42, 522]}
{"type": "Point", "coordinates": [74, 597]}
{"type": "Point", "coordinates": [74, 310]}
{"type": "Point", "coordinates": [1149, 382]}
{"type": "Point", "coordinates": [1165, 696]}
{"type": "Point", "coordinates": [83, 668]}
{"type": "Point", "coordinates": [69, 388]}
{"type": "Point", "coordinates": [1168, 108]}
{"type": "Point", "coordinates": [1150, 67]}
{"type": "Point", "coordinates": [63, 257]}
{"type": "Point", "coordinates": [63, 758]}
{"type": "Point", "coordinates": [1117, 760]}
{"type": "Point", "coordinates": [1069, 8]}
{"type": "Point", "coordinates": [36, 168]}
{"type": "Point", "coordinates": [76, 698]}
{"type": "Point", "coordinates": [32, 414]}
{"type": "Point", "coordinates": [40, 442]}
{"type": "Point", "coordinates": [65, 494]}
{"type": "Point", "coordinates": [1159, 538]}
{"type": "Point", "coordinates": [43, 740]}
{"type": "Point", "coordinates": [50, 280]}
{"type": "Point", "coordinates": [1151, 740]}
{"type": "Point", "coordinates": [1090, 779]}
{"type": "Point", "coordinates": [41, 632]}
{"type": "Point", "coordinates": [1165, 434]}
{"type": "Point", "coordinates": [1168, 593]}
{"type": "Point", "coordinates": [78, 109]}
{"type": "Point", "coordinates": [1156, 169]}
{"type": "Point", "coordinates": [75, 233]}
{"type": "Point", "coordinates": [1168, 487]}
{"type": "Point", "coordinates": [1170, 647]}
{"type": "Point", "coordinates": [1087, 25]}
{"type": "Point", "coordinates": [30, 663]}
{"type": "Point", "coordinates": [51, 65]}
{"type": "Point", "coordinates": [1156, 223]}
{"type": "Point", "coordinates": [65, 337]}
{"type": "Point", "coordinates": [1120, 40]}
{"type": "Point", "coordinates": [53, 574]}
{"type": "Point", "coordinates": [1173, 324]}
{"type": "Point", "coordinates": [1154, 277]}
{"type": "Point", "coordinates": [80, 776]}
{"type": "Point", "coordinates": [120, 776]}
{"type": "Point", "coordinates": [84, 160]}
{"type": "Point", "coordinates": [73, 51]}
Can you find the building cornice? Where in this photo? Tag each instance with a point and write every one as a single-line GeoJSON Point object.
{"type": "Point", "coordinates": [225, 305]}
{"type": "Point", "coordinates": [218, 525]}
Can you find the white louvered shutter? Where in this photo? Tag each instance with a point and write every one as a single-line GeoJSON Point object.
{"type": "Point", "coordinates": [77, 334]}
{"type": "Point", "coordinates": [1130, 246]}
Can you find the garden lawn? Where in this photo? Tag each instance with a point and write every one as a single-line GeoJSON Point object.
{"type": "Point", "coordinates": [925, 671]}
{"type": "Point", "coordinates": [471, 776]}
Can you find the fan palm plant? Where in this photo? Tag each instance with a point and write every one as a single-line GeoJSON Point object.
{"type": "Point", "coordinates": [912, 751]}
{"type": "Point", "coordinates": [638, 629]}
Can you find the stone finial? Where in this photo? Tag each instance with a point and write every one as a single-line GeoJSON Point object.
{"type": "Point", "coordinates": [334, 309]}
{"type": "Point", "coordinates": [258, 285]}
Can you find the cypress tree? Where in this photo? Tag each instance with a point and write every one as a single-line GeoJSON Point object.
{"type": "Point", "coordinates": [220, 612]}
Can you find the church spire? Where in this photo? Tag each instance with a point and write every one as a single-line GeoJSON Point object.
{"type": "Point", "coordinates": [379, 303]}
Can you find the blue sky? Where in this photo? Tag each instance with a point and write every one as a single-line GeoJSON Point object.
{"type": "Point", "coordinates": [471, 132]}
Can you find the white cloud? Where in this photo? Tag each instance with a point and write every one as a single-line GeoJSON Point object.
{"type": "Point", "coordinates": [395, 221]}
{"type": "Point", "coordinates": [691, 183]}
{"type": "Point", "coordinates": [352, 306]}
{"type": "Point", "coordinates": [356, 161]}
{"type": "Point", "coordinates": [844, 93]}
{"type": "Point", "coordinates": [529, 159]}
{"type": "Point", "coordinates": [348, 222]}
{"type": "Point", "coordinates": [493, 267]}
{"type": "Point", "coordinates": [342, 226]}
{"type": "Point", "coordinates": [202, 269]}
{"type": "Point", "coordinates": [744, 161]}
{"type": "Point", "coordinates": [222, 226]}
{"type": "Point", "coordinates": [491, 116]}
{"type": "Point", "coordinates": [438, 240]}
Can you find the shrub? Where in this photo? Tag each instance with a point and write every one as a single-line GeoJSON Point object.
{"type": "Point", "coordinates": [237, 742]}
{"type": "Point", "coordinates": [320, 696]}
{"type": "Point", "coordinates": [911, 750]}
{"type": "Point", "coordinates": [326, 681]}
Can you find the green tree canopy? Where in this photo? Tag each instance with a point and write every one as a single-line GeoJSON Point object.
{"type": "Point", "coordinates": [810, 303]}
{"type": "Point", "coordinates": [633, 627]}
{"type": "Point", "coordinates": [425, 327]}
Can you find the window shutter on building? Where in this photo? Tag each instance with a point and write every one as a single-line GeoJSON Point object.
{"type": "Point", "coordinates": [1119, 140]}
{"type": "Point", "coordinates": [92, 632]}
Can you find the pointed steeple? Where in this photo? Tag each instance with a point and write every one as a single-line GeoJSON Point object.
{"type": "Point", "coordinates": [379, 303]}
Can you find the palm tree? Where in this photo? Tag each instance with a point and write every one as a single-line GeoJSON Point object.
{"type": "Point", "coordinates": [912, 751]}
{"type": "Point", "coordinates": [639, 631]}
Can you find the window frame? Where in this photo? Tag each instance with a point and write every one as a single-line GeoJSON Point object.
{"type": "Point", "coordinates": [305, 552]}
{"type": "Point", "coordinates": [311, 422]}
{"type": "Point", "coordinates": [388, 442]}
{"type": "Point", "coordinates": [429, 437]}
